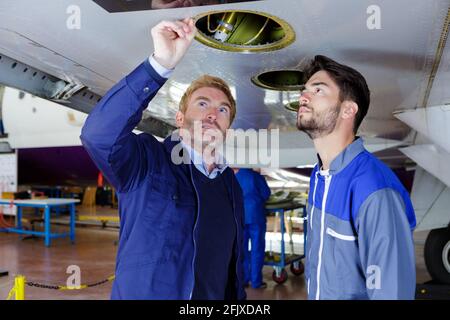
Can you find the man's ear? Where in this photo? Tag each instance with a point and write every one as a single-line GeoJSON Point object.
{"type": "Point", "coordinates": [179, 119]}
{"type": "Point", "coordinates": [349, 109]}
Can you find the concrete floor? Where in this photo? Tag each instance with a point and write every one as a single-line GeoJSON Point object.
{"type": "Point", "coordinates": [95, 253]}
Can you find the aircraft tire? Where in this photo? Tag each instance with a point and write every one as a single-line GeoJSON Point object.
{"type": "Point", "coordinates": [437, 255]}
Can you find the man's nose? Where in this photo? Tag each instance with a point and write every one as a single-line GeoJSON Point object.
{"type": "Point", "coordinates": [212, 114]}
{"type": "Point", "coordinates": [304, 97]}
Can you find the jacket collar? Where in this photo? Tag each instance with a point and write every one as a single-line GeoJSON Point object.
{"type": "Point", "coordinates": [345, 157]}
{"type": "Point", "coordinates": [171, 141]}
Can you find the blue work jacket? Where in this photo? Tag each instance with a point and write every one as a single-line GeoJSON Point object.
{"type": "Point", "coordinates": [256, 192]}
{"type": "Point", "coordinates": [158, 199]}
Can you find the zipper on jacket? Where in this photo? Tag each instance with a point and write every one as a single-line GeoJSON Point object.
{"type": "Point", "coordinates": [316, 179]}
{"type": "Point", "coordinates": [314, 198]}
{"type": "Point", "coordinates": [322, 231]}
{"type": "Point", "coordinates": [193, 233]}
{"type": "Point", "coordinates": [237, 237]}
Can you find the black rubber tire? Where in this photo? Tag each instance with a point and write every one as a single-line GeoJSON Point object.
{"type": "Point", "coordinates": [435, 243]}
{"type": "Point", "coordinates": [282, 278]}
{"type": "Point", "coordinates": [298, 271]}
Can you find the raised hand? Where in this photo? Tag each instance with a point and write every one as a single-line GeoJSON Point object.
{"type": "Point", "coordinates": [171, 40]}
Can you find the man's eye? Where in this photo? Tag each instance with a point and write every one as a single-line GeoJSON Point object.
{"type": "Point", "coordinates": [223, 110]}
{"type": "Point", "coordinates": [202, 104]}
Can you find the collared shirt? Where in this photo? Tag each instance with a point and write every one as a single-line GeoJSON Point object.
{"type": "Point", "coordinates": [162, 71]}
{"type": "Point", "coordinates": [200, 164]}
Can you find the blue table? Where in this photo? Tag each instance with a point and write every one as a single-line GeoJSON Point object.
{"type": "Point", "coordinates": [279, 274]}
{"type": "Point", "coordinates": [47, 204]}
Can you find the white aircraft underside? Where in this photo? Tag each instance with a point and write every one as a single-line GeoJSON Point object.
{"type": "Point", "coordinates": [406, 63]}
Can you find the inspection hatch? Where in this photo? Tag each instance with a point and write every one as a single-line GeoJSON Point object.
{"type": "Point", "coordinates": [280, 80]}
{"type": "Point", "coordinates": [243, 31]}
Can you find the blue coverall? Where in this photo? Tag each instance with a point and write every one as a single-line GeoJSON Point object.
{"type": "Point", "coordinates": [256, 192]}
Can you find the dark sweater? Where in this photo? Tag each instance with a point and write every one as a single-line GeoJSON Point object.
{"type": "Point", "coordinates": [216, 230]}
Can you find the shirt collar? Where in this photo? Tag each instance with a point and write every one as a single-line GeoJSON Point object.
{"type": "Point", "coordinates": [198, 161]}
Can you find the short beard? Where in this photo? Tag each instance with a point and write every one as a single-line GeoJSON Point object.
{"type": "Point", "coordinates": [321, 124]}
{"type": "Point", "coordinates": [210, 141]}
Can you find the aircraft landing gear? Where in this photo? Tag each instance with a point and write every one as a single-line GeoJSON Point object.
{"type": "Point", "coordinates": [437, 255]}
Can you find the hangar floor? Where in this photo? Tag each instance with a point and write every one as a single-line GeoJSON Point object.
{"type": "Point", "coordinates": [95, 252]}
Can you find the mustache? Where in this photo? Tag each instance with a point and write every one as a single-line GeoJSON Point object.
{"type": "Point", "coordinates": [213, 123]}
{"type": "Point", "coordinates": [305, 106]}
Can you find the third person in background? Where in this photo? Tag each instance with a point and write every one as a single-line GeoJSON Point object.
{"type": "Point", "coordinates": [256, 192]}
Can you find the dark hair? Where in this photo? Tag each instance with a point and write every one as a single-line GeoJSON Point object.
{"type": "Point", "coordinates": [351, 83]}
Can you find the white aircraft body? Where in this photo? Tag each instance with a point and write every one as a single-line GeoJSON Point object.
{"type": "Point", "coordinates": [71, 52]}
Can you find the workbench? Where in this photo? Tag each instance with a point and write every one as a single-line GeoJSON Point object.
{"type": "Point", "coordinates": [47, 205]}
